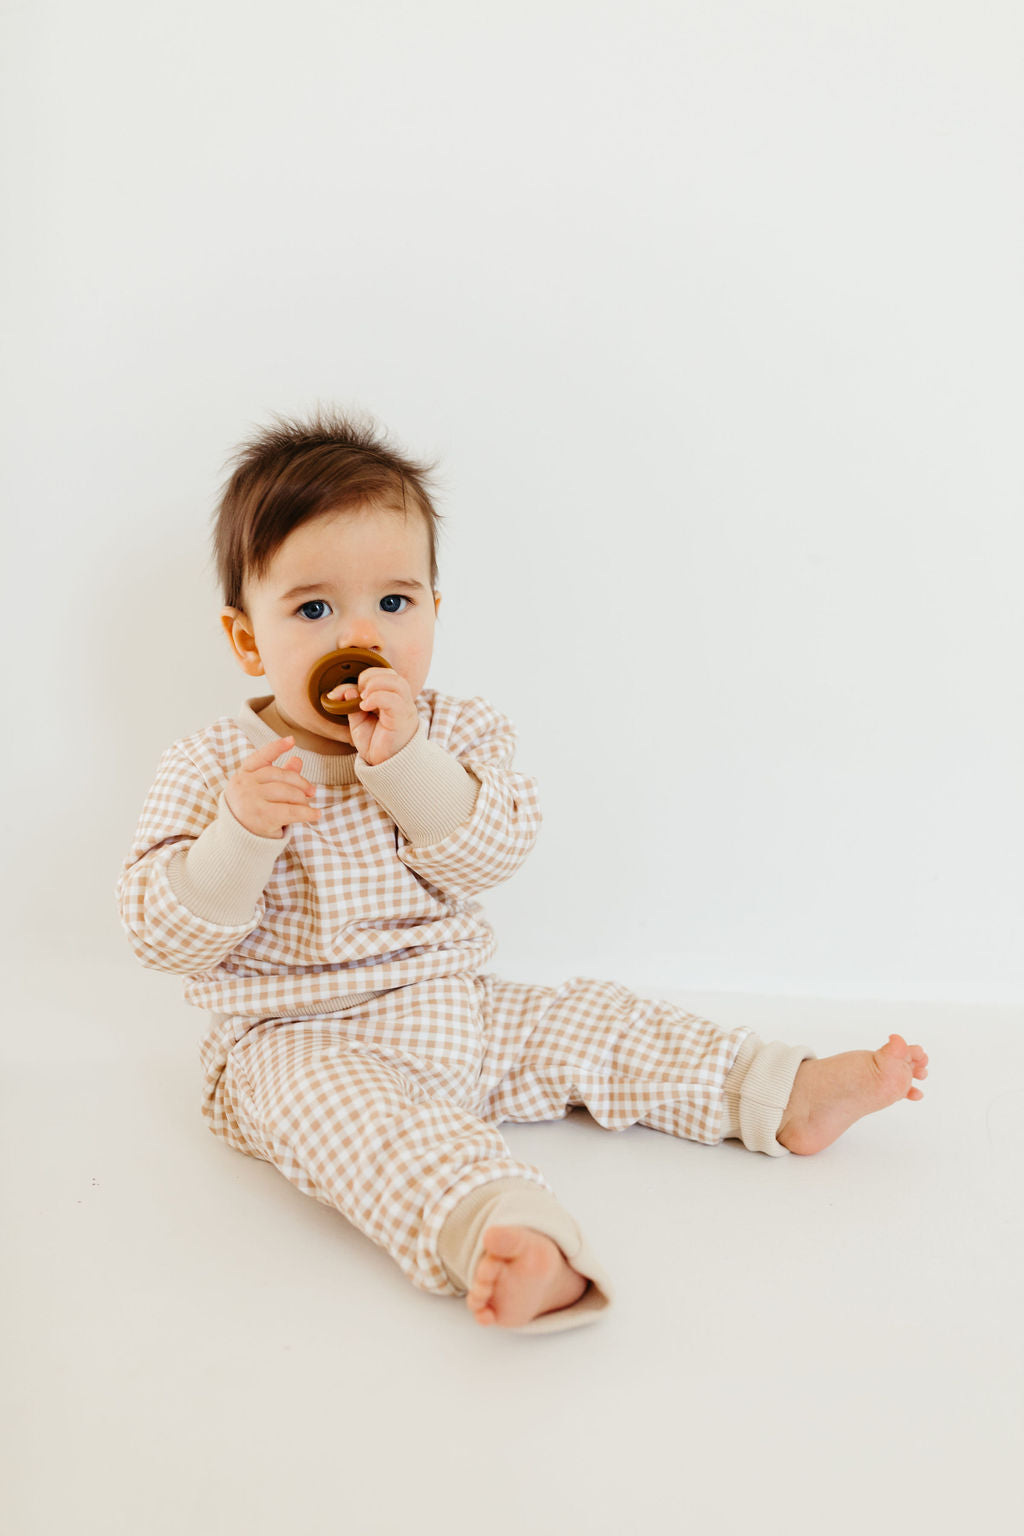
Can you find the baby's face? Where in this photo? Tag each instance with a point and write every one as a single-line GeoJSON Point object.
{"type": "Point", "coordinates": [359, 577]}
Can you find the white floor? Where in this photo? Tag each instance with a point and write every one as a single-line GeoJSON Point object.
{"type": "Point", "coordinates": [827, 1344]}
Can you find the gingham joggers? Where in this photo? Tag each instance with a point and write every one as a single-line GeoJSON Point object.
{"type": "Point", "coordinates": [389, 1112]}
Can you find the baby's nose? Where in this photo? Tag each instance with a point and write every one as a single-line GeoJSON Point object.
{"type": "Point", "coordinates": [362, 633]}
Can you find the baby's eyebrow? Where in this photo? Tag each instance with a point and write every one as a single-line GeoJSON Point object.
{"type": "Point", "coordinates": [315, 586]}
{"type": "Point", "coordinates": [322, 586]}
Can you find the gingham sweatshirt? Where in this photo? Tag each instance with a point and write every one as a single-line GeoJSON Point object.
{"type": "Point", "coordinates": [376, 894]}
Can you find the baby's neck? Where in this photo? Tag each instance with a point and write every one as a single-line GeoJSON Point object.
{"type": "Point", "coordinates": [304, 740]}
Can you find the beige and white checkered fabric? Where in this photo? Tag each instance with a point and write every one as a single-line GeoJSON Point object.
{"type": "Point", "coordinates": [358, 1046]}
{"type": "Point", "coordinates": [389, 1113]}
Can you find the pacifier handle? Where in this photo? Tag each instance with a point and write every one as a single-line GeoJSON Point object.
{"type": "Point", "coordinates": [331, 671]}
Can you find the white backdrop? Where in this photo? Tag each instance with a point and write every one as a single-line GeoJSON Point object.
{"type": "Point", "coordinates": [711, 312]}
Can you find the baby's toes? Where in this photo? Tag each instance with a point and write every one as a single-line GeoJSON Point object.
{"type": "Point", "coordinates": [480, 1296]}
{"type": "Point", "coordinates": [484, 1280]}
{"type": "Point", "coordinates": [480, 1302]}
{"type": "Point", "coordinates": [917, 1060]}
{"type": "Point", "coordinates": [487, 1270]}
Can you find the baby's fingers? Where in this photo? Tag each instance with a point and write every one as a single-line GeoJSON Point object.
{"type": "Point", "coordinates": [285, 792]}
{"type": "Point", "coordinates": [279, 790]}
{"type": "Point", "coordinates": [294, 765]}
{"type": "Point", "coordinates": [286, 775]}
{"type": "Point", "coordinates": [267, 754]}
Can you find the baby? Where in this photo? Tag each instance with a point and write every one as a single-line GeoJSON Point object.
{"type": "Point", "coordinates": [313, 876]}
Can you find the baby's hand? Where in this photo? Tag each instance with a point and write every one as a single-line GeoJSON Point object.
{"type": "Point", "coordinates": [386, 720]}
{"type": "Point", "coordinates": [265, 798]}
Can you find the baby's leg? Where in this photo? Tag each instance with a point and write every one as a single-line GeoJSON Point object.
{"type": "Point", "coordinates": [629, 1060]}
{"type": "Point", "coordinates": [358, 1132]}
{"type": "Point", "coordinates": [633, 1060]}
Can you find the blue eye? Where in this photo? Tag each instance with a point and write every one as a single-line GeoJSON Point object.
{"type": "Point", "coordinates": [388, 603]}
{"type": "Point", "coordinates": [316, 603]}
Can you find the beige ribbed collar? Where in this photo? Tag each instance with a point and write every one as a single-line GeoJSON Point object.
{"type": "Point", "coordinates": [317, 767]}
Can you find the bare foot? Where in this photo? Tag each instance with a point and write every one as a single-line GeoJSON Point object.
{"type": "Point", "coordinates": [520, 1274]}
{"type": "Point", "coordinates": [830, 1094]}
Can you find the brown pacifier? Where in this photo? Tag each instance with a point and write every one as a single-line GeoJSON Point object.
{"type": "Point", "coordinates": [331, 671]}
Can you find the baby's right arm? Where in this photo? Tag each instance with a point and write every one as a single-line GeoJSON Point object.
{"type": "Point", "coordinates": [192, 886]}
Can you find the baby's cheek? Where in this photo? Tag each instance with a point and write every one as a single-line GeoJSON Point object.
{"type": "Point", "coordinates": [421, 664]}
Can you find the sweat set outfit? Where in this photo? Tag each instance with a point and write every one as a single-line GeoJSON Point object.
{"type": "Point", "coordinates": [358, 1044]}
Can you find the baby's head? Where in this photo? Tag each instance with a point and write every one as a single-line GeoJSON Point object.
{"type": "Point", "coordinates": [325, 537]}
{"type": "Point", "coordinates": [295, 471]}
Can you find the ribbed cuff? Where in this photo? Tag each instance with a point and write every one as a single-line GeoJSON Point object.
{"type": "Point", "coordinates": [425, 789]}
{"type": "Point", "coordinates": [221, 876]}
{"type": "Point", "coordinates": [757, 1090]}
{"type": "Point", "coordinates": [518, 1203]}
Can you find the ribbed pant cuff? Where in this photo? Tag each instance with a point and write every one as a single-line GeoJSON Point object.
{"type": "Point", "coordinates": [518, 1203]}
{"type": "Point", "coordinates": [757, 1090]}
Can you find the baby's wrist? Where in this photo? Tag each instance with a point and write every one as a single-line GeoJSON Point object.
{"type": "Point", "coordinates": [424, 788]}
{"type": "Point", "coordinates": [398, 744]}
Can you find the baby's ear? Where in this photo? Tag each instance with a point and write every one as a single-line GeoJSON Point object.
{"type": "Point", "coordinates": [239, 631]}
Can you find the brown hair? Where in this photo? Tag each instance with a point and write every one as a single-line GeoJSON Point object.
{"type": "Point", "coordinates": [296, 470]}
